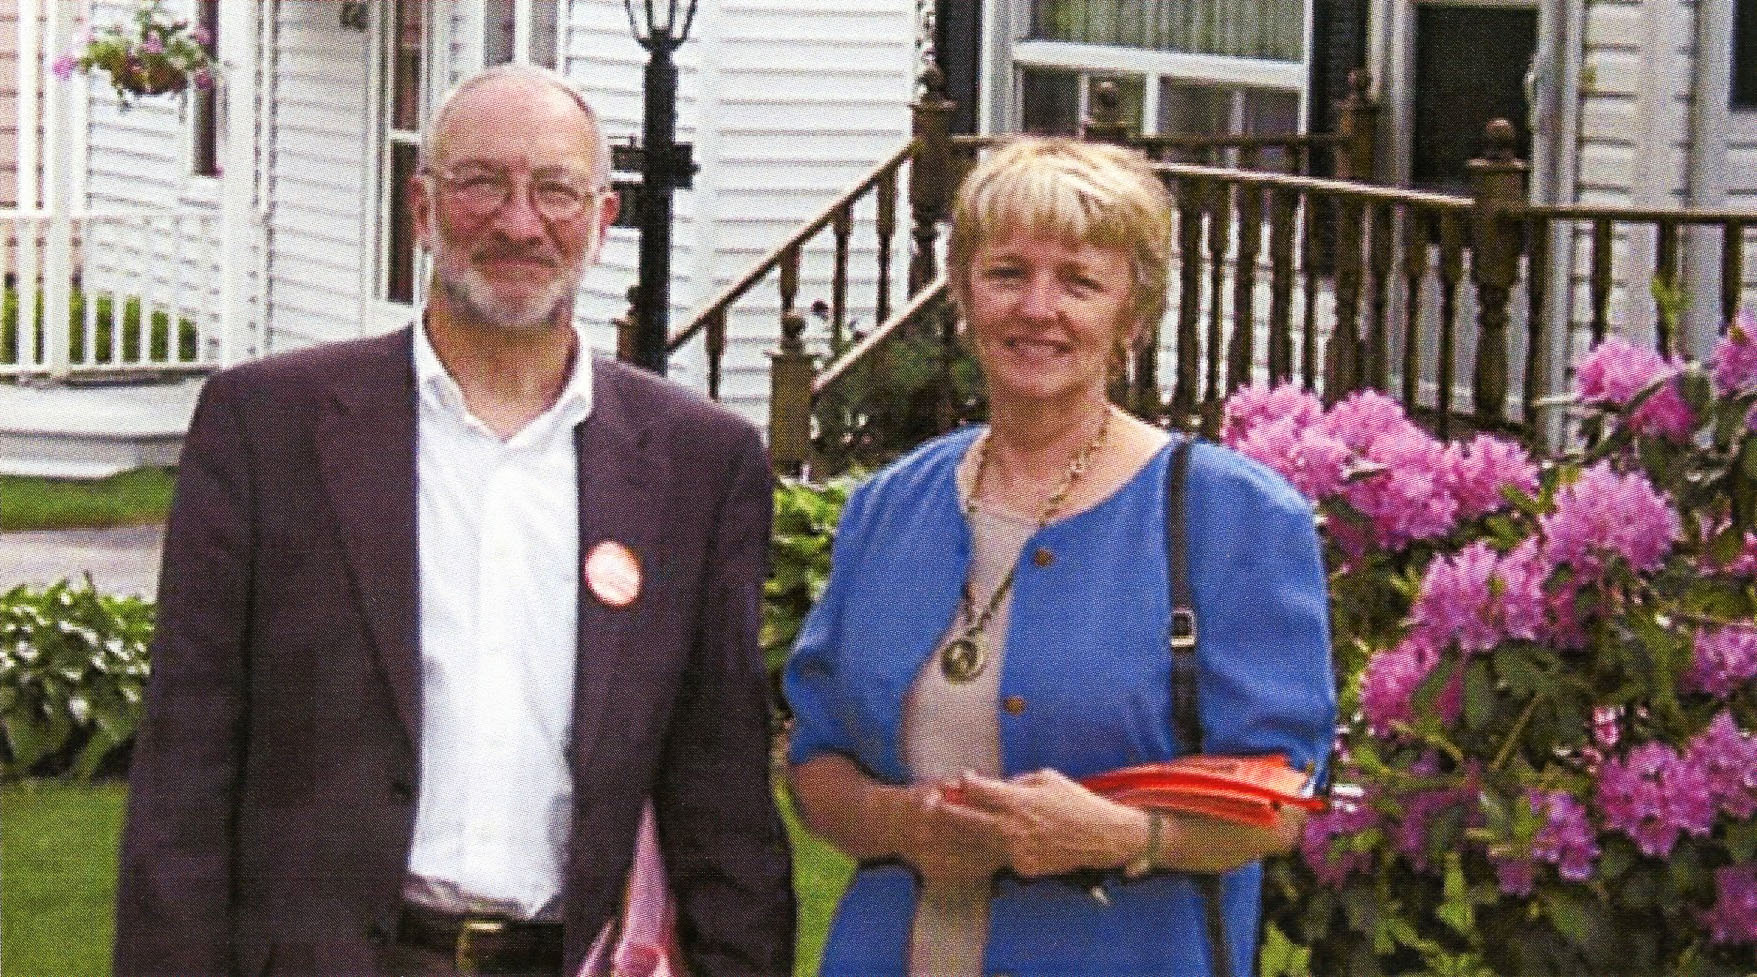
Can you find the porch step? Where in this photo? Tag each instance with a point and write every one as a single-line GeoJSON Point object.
{"type": "Point", "coordinates": [93, 431]}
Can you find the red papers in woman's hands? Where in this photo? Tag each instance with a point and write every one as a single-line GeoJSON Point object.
{"type": "Point", "coordinates": [1241, 789]}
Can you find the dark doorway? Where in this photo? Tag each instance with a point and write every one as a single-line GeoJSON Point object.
{"type": "Point", "coordinates": [1470, 65]}
{"type": "Point", "coordinates": [1339, 45]}
{"type": "Point", "coordinates": [958, 40]}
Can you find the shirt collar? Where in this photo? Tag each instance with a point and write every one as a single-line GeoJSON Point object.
{"type": "Point", "coordinates": [437, 387]}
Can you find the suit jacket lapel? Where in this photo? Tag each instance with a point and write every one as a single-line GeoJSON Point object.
{"type": "Point", "coordinates": [366, 449]}
{"type": "Point", "coordinates": [620, 476]}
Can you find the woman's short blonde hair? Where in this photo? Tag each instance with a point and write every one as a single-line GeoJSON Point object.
{"type": "Point", "coordinates": [1079, 192]}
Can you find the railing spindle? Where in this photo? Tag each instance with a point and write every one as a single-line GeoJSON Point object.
{"type": "Point", "coordinates": [1219, 197]}
{"type": "Point", "coordinates": [715, 341]}
{"type": "Point", "coordinates": [1601, 279]}
{"type": "Point", "coordinates": [1732, 270]}
{"type": "Point", "coordinates": [1537, 279]}
{"type": "Point", "coordinates": [1415, 270]}
{"type": "Point", "coordinates": [842, 226]}
{"type": "Point", "coordinates": [1310, 265]}
{"type": "Point", "coordinates": [1241, 355]}
{"type": "Point", "coordinates": [1342, 373]}
{"type": "Point", "coordinates": [1281, 204]}
{"type": "Point", "coordinates": [1451, 275]}
{"type": "Point", "coordinates": [1189, 300]}
{"type": "Point", "coordinates": [1666, 318]}
{"type": "Point", "coordinates": [1378, 346]}
{"type": "Point", "coordinates": [886, 226]}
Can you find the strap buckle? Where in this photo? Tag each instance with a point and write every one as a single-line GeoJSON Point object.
{"type": "Point", "coordinates": [1183, 629]}
{"type": "Point", "coordinates": [468, 956]}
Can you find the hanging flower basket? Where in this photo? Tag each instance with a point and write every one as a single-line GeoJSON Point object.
{"type": "Point", "coordinates": [153, 55]}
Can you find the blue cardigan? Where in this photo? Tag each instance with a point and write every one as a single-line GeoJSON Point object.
{"type": "Point", "coordinates": [1086, 654]}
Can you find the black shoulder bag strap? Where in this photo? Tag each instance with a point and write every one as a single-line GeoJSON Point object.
{"type": "Point", "coordinates": [1186, 717]}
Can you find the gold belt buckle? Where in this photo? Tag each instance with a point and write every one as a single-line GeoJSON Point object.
{"type": "Point", "coordinates": [467, 959]}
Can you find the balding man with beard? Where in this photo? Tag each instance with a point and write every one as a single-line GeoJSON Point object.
{"type": "Point", "coordinates": [442, 609]}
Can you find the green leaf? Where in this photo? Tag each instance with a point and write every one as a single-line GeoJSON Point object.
{"type": "Point", "coordinates": [1479, 695]}
{"type": "Point", "coordinates": [1281, 957]}
{"type": "Point", "coordinates": [1741, 839]}
{"type": "Point", "coordinates": [1456, 909]}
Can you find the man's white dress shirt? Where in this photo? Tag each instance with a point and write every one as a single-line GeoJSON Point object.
{"type": "Point", "coordinates": [498, 527]}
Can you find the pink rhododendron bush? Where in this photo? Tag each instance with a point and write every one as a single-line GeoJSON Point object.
{"type": "Point", "coordinates": [1547, 765]}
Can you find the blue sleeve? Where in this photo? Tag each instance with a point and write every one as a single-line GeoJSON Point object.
{"type": "Point", "coordinates": [810, 681]}
{"type": "Point", "coordinates": [1262, 603]}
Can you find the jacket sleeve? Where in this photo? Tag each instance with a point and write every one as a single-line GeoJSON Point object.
{"type": "Point", "coordinates": [725, 850]}
{"type": "Point", "coordinates": [173, 904]}
{"type": "Point", "coordinates": [1267, 684]}
{"type": "Point", "coordinates": [810, 681]}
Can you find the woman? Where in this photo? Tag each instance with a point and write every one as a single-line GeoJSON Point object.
{"type": "Point", "coordinates": [997, 618]}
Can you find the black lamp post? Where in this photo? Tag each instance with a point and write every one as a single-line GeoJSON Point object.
{"type": "Point", "coordinates": [665, 165]}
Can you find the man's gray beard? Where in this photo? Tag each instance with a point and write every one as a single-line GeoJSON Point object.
{"type": "Point", "coordinates": [472, 296]}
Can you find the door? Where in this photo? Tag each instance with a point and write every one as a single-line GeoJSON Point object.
{"type": "Point", "coordinates": [1470, 67]}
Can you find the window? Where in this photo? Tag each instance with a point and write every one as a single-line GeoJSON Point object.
{"type": "Point", "coordinates": [1269, 29]}
{"type": "Point", "coordinates": [1057, 101]}
{"type": "Point", "coordinates": [1744, 87]}
{"type": "Point", "coordinates": [207, 132]}
{"type": "Point", "coordinates": [504, 41]}
{"type": "Point", "coordinates": [1182, 67]}
{"type": "Point", "coordinates": [404, 98]}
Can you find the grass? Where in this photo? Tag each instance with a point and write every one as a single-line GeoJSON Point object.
{"type": "Point", "coordinates": [58, 860]}
{"type": "Point", "coordinates": [820, 873]}
{"type": "Point", "coordinates": [139, 496]}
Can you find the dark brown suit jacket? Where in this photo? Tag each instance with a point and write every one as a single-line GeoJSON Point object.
{"type": "Point", "coordinates": [271, 800]}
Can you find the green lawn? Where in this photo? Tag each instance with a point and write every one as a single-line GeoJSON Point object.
{"type": "Point", "coordinates": [58, 869]}
{"type": "Point", "coordinates": [58, 881]}
{"type": "Point", "coordinates": [139, 496]}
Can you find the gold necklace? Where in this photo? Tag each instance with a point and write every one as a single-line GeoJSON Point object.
{"type": "Point", "coordinates": [965, 657]}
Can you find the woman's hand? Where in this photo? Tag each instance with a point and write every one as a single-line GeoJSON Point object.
{"type": "Point", "coordinates": [870, 820]}
{"type": "Point", "coordinates": [1048, 825]}
{"type": "Point", "coordinates": [945, 842]}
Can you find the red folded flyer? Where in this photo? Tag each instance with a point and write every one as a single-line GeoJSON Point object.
{"type": "Point", "coordinates": [1241, 789]}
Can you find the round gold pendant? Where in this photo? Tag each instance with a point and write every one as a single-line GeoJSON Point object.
{"type": "Point", "coordinates": [962, 659]}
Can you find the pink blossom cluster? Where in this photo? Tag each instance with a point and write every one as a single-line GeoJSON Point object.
{"type": "Point", "coordinates": [1390, 679]}
{"type": "Point", "coordinates": [1367, 453]}
{"type": "Point", "coordinates": [1605, 514]}
{"type": "Point", "coordinates": [1334, 865]}
{"type": "Point", "coordinates": [1478, 598]}
{"type": "Point", "coordinates": [1734, 916]}
{"type": "Point", "coordinates": [1733, 363]}
{"type": "Point", "coordinates": [1725, 660]}
{"type": "Point", "coordinates": [1567, 839]}
{"type": "Point", "coordinates": [1655, 795]}
{"type": "Point", "coordinates": [1616, 370]}
{"type": "Point", "coordinates": [1727, 757]}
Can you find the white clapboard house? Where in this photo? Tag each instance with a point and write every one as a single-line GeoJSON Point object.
{"type": "Point", "coordinates": [265, 217]}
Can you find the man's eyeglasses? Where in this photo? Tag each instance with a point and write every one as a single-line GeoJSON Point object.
{"type": "Point", "coordinates": [482, 190]}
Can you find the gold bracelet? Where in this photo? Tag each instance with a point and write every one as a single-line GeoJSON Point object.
{"type": "Point", "coordinates": [1148, 860]}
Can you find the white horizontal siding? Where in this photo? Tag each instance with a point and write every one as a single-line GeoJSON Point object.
{"type": "Point", "coordinates": [319, 165]}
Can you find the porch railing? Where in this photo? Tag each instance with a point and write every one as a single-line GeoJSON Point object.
{"type": "Point", "coordinates": [109, 293]}
{"type": "Point", "coordinates": [916, 183]}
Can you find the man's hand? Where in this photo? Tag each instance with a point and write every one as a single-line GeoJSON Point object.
{"type": "Point", "coordinates": [1049, 825]}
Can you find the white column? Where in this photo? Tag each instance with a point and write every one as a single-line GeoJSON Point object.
{"type": "Point", "coordinates": [59, 143]}
{"type": "Point", "coordinates": [239, 229]}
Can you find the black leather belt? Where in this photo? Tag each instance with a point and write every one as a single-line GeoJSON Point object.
{"type": "Point", "coordinates": [483, 944]}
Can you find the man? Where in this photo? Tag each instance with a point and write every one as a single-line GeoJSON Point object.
{"type": "Point", "coordinates": [441, 609]}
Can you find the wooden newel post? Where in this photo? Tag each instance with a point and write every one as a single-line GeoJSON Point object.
{"type": "Point", "coordinates": [1105, 123]}
{"type": "Point", "coordinates": [1358, 126]}
{"type": "Point", "coordinates": [791, 373]}
{"type": "Point", "coordinates": [930, 174]}
{"type": "Point", "coordinates": [1497, 182]}
{"type": "Point", "coordinates": [626, 326]}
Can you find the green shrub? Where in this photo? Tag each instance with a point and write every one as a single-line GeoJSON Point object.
{"type": "Point", "coordinates": [73, 663]}
{"type": "Point", "coordinates": [799, 564]}
{"type": "Point", "coordinates": [102, 333]}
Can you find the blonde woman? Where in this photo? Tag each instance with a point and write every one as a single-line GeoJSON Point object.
{"type": "Point", "coordinates": [996, 625]}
